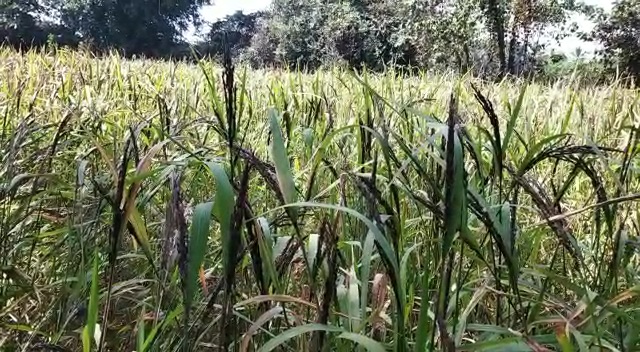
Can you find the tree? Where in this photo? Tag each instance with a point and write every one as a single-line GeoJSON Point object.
{"type": "Point", "coordinates": [357, 32]}
{"type": "Point", "coordinates": [441, 34]}
{"type": "Point", "coordinates": [262, 49]}
{"type": "Point", "coordinates": [22, 25]}
{"type": "Point", "coordinates": [444, 34]}
{"type": "Point", "coordinates": [516, 21]}
{"type": "Point", "coordinates": [495, 17]}
{"type": "Point", "coordinates": [619, 33]}
{"type": "Point", "coordinates": [148, 27]}
{"type": "Point", "coordinates": [236, 31]}
{"type": "Point", "coordinates": [297, 26]}
{"type": "Point", "coordinates": [17, 21]}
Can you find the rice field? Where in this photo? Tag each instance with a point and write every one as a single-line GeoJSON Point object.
{"type": "Point", "coordinates": [154, 206]}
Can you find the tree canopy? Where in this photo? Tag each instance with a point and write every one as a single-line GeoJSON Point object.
{"type": "Point", "coordinates": [619, 33]}
{"type": "Point", "coordinates": [148, 27]}
{"type": "Point", "coordinates": [236, 31]}
{"type": "Point", "coordinates": [489, 37]}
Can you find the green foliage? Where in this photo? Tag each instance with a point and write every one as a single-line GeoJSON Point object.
{"type": "Point", "coordinates": [235, 30]}
{"type": "Point", "coordinates": [18, 19]}
{"type": "Point", "coordinates": [374, 34]}
{"type": "Point", "coordinates": [489, 38]}
{"type": "Point", "coordinates": [619, 32]}
{"type": "Point", "coordinates": [147, 27]}
{"type": "Point", "coordinates": [514, 24]}
{"type": "Point", "coordinates": [450, 34]}
{"type": "Point", "coordinates": [556, 67]}
{"type": "Point", "coordinates": [21, 25]}
{"type": "Point", "coordinates": [198, 238]}
{"type": "Point", "coordinates": [89, 330]}
{"type": "Point", "coordinates": [313, 33]}
{"type": "Point", "coordinates": [502, 221]}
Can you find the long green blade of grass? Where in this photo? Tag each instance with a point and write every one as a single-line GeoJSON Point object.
{"type": "Point", "coordinates": [92, 312]}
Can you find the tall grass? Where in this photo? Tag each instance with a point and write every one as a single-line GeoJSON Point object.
{"type": "Point", "coordinates": [155, 206]}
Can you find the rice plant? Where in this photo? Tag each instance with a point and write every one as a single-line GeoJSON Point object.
{"type": "Point", "coordinates": [151, 206]}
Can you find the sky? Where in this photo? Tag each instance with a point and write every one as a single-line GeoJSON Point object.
{"type": "Point", "coordinates": [570, 44]}
{"type": "Point", "coordinates": [222, 8]}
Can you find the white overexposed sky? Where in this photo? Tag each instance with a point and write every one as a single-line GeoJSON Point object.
{"type": "Point", "coordinates": [223, 8]}
{"type": "Point", "coordinates": [571, 43]}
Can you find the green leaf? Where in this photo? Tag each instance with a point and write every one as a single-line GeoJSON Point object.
{"type": "Point", "coordinates": [369, 344]}
{"type": "Point", "coordinates": [535, 149]}
{"type": "Point", "coordinates": [423, 331]}
{"type": "Point", "coordinates": [342, 295]}
{"type": "Point", "coordinates": [580, 340]}
{"type": "Point", "coordinates": [135, 218]}
{"type": "Point", "coordinates": [281, 161]}
{"type": "Point", "coordinates": [501, 224]}
{"type": "Point", "coordinates": [20, 180]}
{"type": "Point", "coordinates": [294, 332]}
{"type": "Point", "coordinates": [308, 136]}
{"type": "Point", "coordinates": [216, 101]}
{"type": "Point", "coordinates": [456, 193]}
{"type": "Point", "coordinates": [364, 341]}
{"type": "Point", "coordinates": [564, 341]}
{"type": "Point", "coordinates": [198, 236]}
{"type": "Point", "coordinates": [140, 333]}
{"type": "Point", "coordinates": [511, 344]}
{"type": "Point", "coordinates": [86, 339]}
{"type": "Point", "coordinates": [223, 210]}
{"type": "Point", "coordinates": [475, 299]}
{"type": "Point", "coordinates": [404, 264]}
{"type": "Point", "coordinates": [512, 121]}
{"type": "Point", "coordinates": [163, 324]}
{"type": "Point", "coordinates": [92, 312]}
{"type": "Point", "coordinates": [365, 269]}
{"type": "Point", "coordinates": [353, 300]}
{"type": "Point", "coordinates": [265, 244]}
{"type": "Point", "coordinates": [504, 227]}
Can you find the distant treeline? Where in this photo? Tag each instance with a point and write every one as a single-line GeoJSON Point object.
{"type": "Point", "coordinates": [486, 37]}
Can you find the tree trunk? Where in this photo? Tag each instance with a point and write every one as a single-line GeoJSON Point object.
{"type": "Point", "coordinates": [496, 17]}
{"type": "Point", "coordinates": [513, 42]}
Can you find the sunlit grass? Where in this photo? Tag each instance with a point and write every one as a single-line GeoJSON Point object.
{"type": "Point", "coordinates": [177, 207]}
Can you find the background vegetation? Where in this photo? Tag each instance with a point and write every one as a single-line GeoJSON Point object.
{"type": "Point", "coordinates": [490, 38]}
